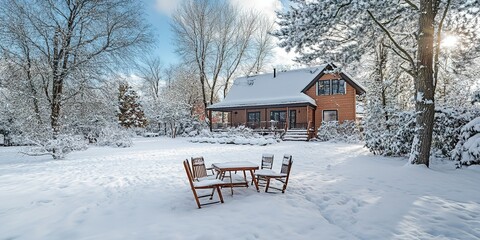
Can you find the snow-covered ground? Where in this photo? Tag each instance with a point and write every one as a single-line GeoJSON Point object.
{"type": "Point", "coordinates": [336, 191]}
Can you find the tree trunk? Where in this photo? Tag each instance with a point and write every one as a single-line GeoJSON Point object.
{"type": "Point", "coordinates": [424, 99]}
{"type": "Point", "coordinates": [31, 85]}
{"type": "Point", "coordinates": [204, 97]}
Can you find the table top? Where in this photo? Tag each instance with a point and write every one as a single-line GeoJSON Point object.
{"type": "Point", "coordinates": [237, 165]}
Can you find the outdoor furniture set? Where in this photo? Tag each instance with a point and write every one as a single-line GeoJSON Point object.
{"type": "Point", "coordinates": [225, 174]}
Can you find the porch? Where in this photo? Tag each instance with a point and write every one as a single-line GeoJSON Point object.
{"type": "Point", "coordinates": [262, 125]}
{"type": "Point", "coordinates": [276, 119]}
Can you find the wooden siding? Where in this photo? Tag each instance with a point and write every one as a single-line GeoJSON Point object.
{"type": "Point", "coordinates": [343, 103]}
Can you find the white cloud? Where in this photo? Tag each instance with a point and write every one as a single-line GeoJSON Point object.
{"type": "Point", "coordinates": [166, 6]}
{"type": "Point", "coordinates": [282, 58]}
{"type": "Point", "coordinates": [266, 7]}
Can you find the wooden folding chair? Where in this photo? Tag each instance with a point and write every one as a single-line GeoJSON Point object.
{"type": "Point", "coordinates": [282, 177]}
{"type": "Point", "coordinates": [267, 163]}
{"type": "Point", "coordinates": [213, 184]}
{"type": "Point", "coordinates": [199, 169]}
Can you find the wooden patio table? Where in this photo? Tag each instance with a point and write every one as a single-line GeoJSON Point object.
{"type": "Point", "coordinates": [243, 166]}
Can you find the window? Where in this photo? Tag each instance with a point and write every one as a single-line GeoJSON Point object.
{"type": "Point", "coordinates": [280, 117]}
{"type": "Point", "coordinates": [330, 115]}
{"type": "Point", "coordinates": [338, 86]}
{"type": "Point", "coordinates": [254, 117]}
{"type": "Point", "coordinates": [324, 87]}
{"type": "Point", "coordinates": [327, 87]}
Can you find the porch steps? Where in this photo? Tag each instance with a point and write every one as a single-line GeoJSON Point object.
{"type": "Point", "coordinates": [295, 135]}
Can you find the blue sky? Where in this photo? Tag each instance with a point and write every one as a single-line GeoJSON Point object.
{"type": "Point", "coordinates": [164, 48]}
{"type": "Point", "coordinates": [159, 12]}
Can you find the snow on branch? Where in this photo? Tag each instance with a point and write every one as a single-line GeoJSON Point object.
{"type": "Point", "coordinates": [389, 35]}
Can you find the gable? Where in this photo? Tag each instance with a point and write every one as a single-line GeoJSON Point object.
{"type": "Point", "coordinates": [358, 88]}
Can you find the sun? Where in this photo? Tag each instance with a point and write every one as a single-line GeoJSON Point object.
{"type": "Point", "coordinates": [449, 41]}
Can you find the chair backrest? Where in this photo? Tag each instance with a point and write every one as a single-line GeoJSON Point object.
{"type": "Point", "coordinates": [286, 164]}
{"type": "Point", "coordinates": [267, 161]}
{"type": "Point", "coordinates": [189, 172]}
{"type": "Point", "coordinates": [198, 166]}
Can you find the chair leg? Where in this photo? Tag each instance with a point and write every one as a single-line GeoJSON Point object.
{"type": "Point", "coordinates": [220, 194]}
{"type": "Point", "coordinates": [284, 187]}
{"type": "Point", "coordinates": [268, 184]}
{"type": "Point", "coordinates": [196, 198]}
{"type": "Point", "coordinates": [245, 178]}
{"type": "Point", "coordinates": [211, 195]}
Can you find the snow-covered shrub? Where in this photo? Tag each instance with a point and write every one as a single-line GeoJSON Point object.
{"type": "Point", "coordinates": [467, 150]}
{"type": "Point", "coordinates": [446, 128]}
{"type": "Point", "coordinates": [115, 136]}
{"type": "Point", "coordinates": [348, 131]}
{"type": "Point", "coordinates": [394, 138]}
{"type": "Point", "coordinates": [191, 127]}
{"type": "Point", "coordinates": [240, 135]}
{"type": "Point", "coordinates": [58, 147]}
{"type": "Point", "coordinates": [327, 131]}
{"type": "Point", "coordinates": [476, 97]}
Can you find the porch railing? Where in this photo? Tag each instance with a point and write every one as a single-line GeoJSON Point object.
{"type": "Point", "coordinates": [272, 125]}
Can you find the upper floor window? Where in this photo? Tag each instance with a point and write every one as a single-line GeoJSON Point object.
{"type": "Point", "coordinates": [338, 86]}
{"type": "Point", "coordinates": [328, 87]}
{"type": "Point", "coordinates": [323, 87]}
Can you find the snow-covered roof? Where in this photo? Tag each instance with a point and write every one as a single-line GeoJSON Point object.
{"type": "Point", "coordinates": [265, 89]}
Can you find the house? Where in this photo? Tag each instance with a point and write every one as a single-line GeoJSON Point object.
{"type": "Point", "coordinates": [292, 101]}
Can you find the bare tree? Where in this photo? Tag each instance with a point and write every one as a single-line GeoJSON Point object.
{"type": "Point", "coordinates": [72, 42]}
{"type": "Point", "coordinates": [151, 71]}
{"type": "Point", "coordinates": [262, 45]}
{"type": "Point", "coordinates": [216, 38]}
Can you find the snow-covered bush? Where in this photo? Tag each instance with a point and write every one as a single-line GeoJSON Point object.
{"type": "Point", "coordinates": [446, 128]}
{"type": "Point", "coordinates": [348, 131]}
{"type": "Point", "coordinates": [327, 131]}
{"type": "Point", "coordinates": [396, 136]}
{"type": "Point", "coordinates": [476, 97]}
{"type": "Point", "coordinates": [393, 139]}
{"type": "Point", "coordinates": [59, 147]}
{"type": "Point", "coordinates": [192, 127]}
{"type": "Point", "coordinates": [115, 136]}
{"type": "Point", "coordinates": [467, 150]}
{"type": "Point", "coordinates": [240, 135]}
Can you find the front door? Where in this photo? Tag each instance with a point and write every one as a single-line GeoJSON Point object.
{"type": "Point", "coordinates": [292, 118]}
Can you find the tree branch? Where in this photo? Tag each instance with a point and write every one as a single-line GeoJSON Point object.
{"type": "Point", "coordinates": [411, 4]}
{"type": "Point", "coordinates": [407, 55]}
{"type": "Point", "coordinates": [437, 48]}
{"type": "Point", "coordinates": [340, 8]}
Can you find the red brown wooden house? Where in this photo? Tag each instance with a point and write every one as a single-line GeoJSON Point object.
{"type": "Point", "coordinates": [292, 101]}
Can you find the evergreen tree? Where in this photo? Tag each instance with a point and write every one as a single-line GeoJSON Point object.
{"type": "Point", "coordinates": [345, 30]}
{"type": "Point", "coordinates": [130, 113]}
